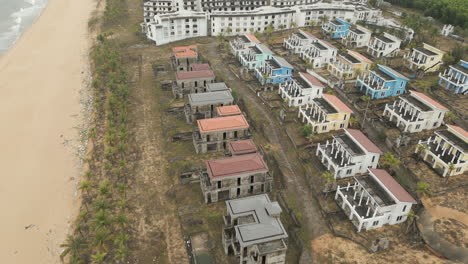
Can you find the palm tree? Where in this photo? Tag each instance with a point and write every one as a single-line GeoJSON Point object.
{"type": "Point", "coordinates": [98, 257]}
{"type": "Point", "coordinates": [353, 121]}
{"type": "Point", "coordinates": [72, 246]}
{"type": "Point", "coordinates": [365, 98]}
{"type": "Point", "coordinates": [423, 189]}
{"type": "Point", "coordinates": [389, 161]}
{"type": "Point", "coordinates": [449, 117]}
{"type": "Point", "coordinates": [104, 188]}
{"type": "Point", "coordinates": [306, 130]}
{"type": "Point", "coordinates": [85, 186]}
{"type": "Point", "coordinates": [122, 188]}
{"type": "Point", "coordinates": [121, 220]}
{"type": "Point", "coordinates": [101, 237]}
{"type": "Point", "coordinates": [451, 168]}
{"type": "Point", "coordinates": [101, 219]}
{"type": "Point", "coordinates": [329, 179]}
{"type": "Point", "coordinates": [411, 221]}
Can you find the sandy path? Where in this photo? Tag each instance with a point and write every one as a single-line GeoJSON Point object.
{"type": "Point", "coordinates": [40, 79]}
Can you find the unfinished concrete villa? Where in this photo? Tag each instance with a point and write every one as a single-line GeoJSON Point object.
{"type": "Point", "coordinates": [183, 57]}
{"type": "Point", "coordinates": [234, 177]}
{"type": "Point", "coordinates": [188, 82]}
{"type": "Point", "coordinates": [253, 231]}
{"type": "Point", "coordinates": [204, 105]}
{"type": "Point", "coordinates": [348, 154]}
{"type": "Point", "coordinates": [301, 90]}
{"type": "Point", "coordinates": [447, 151]}
{"type": "Point", "coordinates": [415, 112]}
{"type": "Point", "coordinates": [241, 147]}
{"type": "Point", "coordinates": [214, 134]}
{"type": "Point", "coordinates": [374, 200]}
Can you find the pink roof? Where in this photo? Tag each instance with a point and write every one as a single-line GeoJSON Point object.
{"type": "Point", "coordinates": [194, 75]}
{"type": "Point", "coordinates": [429, 100]}
{"type": "Point", "coordinates": [393, 186]}
{"type": "Point", "coordinates": [252, 38]}
{"type": "Point", "coordinates": [328, 44]}
{"type": "Point", "coordinates": [359, 56]}
{"type": "Point", "coordinates": [185, 51]}
{"type": "Point", "coordinates": [311, 79]}
{"type": "Point", "coordinates": [228, 110]}
{"type": "Point", "coordinates": [337, 103]}
{"type": "Point", "coordinates": [460, 130]}
{"type": "Point", "coordinates": [242, 147]}
{"type": "Point", "coordinates": [363, 140]}
{"type": "Point", "coordinates": [249, 163]}
{"type": "Point", "coordinates": [222, 123]}
{"type": "Point", "coordinates": [200, 67]}
{"type": "Point", "coordinates": [309, 34]}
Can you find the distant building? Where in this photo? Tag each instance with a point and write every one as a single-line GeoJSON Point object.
{"type": "Point", "coordinates": [415, 112]}
{"type": "Point", "coordinates": [325, 114]}
{"type": "Point", "coordinates": [242, 147]}
{"type": "Point", "coordinates": [301, 90]}
{"type": "Point", "coordinates": [382, 82]}
{"type": "Point", "coordinates": [456, 78]}
{"type": "Point", "coordinates": [349, 154]}
{"type": "Point", "coordinates": [240, 44]}
{"type": "Point", "coordinates": [253, 231]}
{"type": "Point", "coordinates": [235, 177]}
{"type": "Point", "coordinates": [319, 53]}
{"type": "Point", "coordinates": [357, 37]}
{"type": "Point", "coordinates": [384, 46]}
{"type": "Point", "coordinates": [215, 133]}
{"type": "Point", "coordinates": [346, 66]}
{"type": "Point", "coordinates": [254, 56]}
{"type": "Point", "coordinates": [192, 82]}
{"type": "Point", "coordinates": [426, 58]}
{"type": "Point", "coordinates": [274, 71]}
{"type": "Point", "coordinates": [203, 105]}
{"type": "Point", "coordinates": [298, 41]}
{"type": "Point", "coordinates": [336, 28]}
{"type": "Point", "coordinates": [183, 57]}
{"type": "Point", "coordinates": [447, 30]}
{"type": "Point", "coordinates": [447, 151]}
{"type": "Point", "coordinates": [374, 200]}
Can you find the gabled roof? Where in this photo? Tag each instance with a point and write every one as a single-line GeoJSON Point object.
{"type": "Point", "coordinates": [222, 123]}
{"type": "Point", "coordinates": [236, 165]}
{"type": "Point", "coordinates": [337, 103]}
{"type": "Point", "coordinates": [200, 67]}
{"type": "Point", "coordinates": [392, 71]}
{"type": "Point", "coordinates": [311, 79]}
{"type": "Point", "coordinates": [241, 147]}
{"type": "Point", "coordinates": [392, 185]}
{"type": "Point", "coordinates": [429, 100]}
{"type": "Point", "coordinates": [194, 75]}
{"type": "Point", "coordinates": [328, 44]}
{"type": "Point", "coordinates": [283, 62]}
{"type": "Point", "coordinates": [197, 99]}
{"type": "Point", "coordinates": [252, 37]}
{"type": "Point", "coordinates": [308, 33]}
{"type": "Point", "coordinates": [363, 140]}
{"type": "Point", "coordinates": [264, 49]}
{"type": "Point", "coordinates": [185, 51]}
{"type": "Point", "coordinates": [459, 130]}
{"type": "Point", "coordinates": [359, 56]}
{"type": "Point", "coordinates": [228, 110]}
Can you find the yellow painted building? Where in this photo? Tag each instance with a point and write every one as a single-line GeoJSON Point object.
{"type": "Point", "coordinates": [346, 66]}
{"type": "Point", "coordinates": [426, 58]}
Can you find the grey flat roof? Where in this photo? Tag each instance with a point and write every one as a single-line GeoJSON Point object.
{"type": "Point", "coordinates": [266, 228]}
{"type": "Point", "coordinates": [454, 139]}
{"type": "Point", "coordinates": [460, 68]}
{"type": "Point", "coordinates": [216, 87]}
{"type": "Point", "coordinates": [319, 46]}
{"type": "Point", "coordinates": [358, 31]}
{"type": "Point", "coordinates": [350, 58]}
{"type": "Point", "coordinates": [348, 143]}
{"type": "Point", "coordinates": [418, 103]}
{"type": "Point", "coordinates": [283, 62]}
{"type": "Point", "coordinates": [324, 105]}
{"type": "Point", "coordinates": [210, 98]}
{"type": "Point", "coordinates": [385, 39]}
{"type": "Point", "coordinates": [265, 49]}
{"type": "Point", "coordinates": [426, 51]}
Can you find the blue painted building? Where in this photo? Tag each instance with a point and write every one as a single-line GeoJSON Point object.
{"type": "Point", "coordinates": [381, 83]}
{"type": "Point", "coordinates": [274, 71]}
{"type": "Point", "coordinates": [336, 28]}
{"type": "Point", "coordinates": [456, 79]}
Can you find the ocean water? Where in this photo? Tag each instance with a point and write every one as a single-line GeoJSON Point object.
{"type": "Point", "coordinates": [15, 17]}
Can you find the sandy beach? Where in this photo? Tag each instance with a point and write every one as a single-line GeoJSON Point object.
{"type": "Point", "coordinates": [40, 80]}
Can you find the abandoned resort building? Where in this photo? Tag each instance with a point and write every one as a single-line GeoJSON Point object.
{"type": "Point", "coordinates": [240, 44]}
{"type": "Point", "coordinates": [241, 147]}
{"type": "Point", "coordinates": [384, 46]}
{"type": "Point", "coordinates": [184, 56]}
{"type": "Point", "coordinates": [346, 66]}
{"type": "Point", "coordinates": [255, 56]}
{"type": "Point", "coordinates": [358, 37]}
{"type": "Point", "coordinates": [382, 82]}
{"type": "Point", "coordinates": [325, 114]}
{"type": "Point", "coordinates": [415, 112]}
{"type": "Point", "coordinates": [298, 41]}
{"type": "Point", "coordinates": [336, 28]}
{"type": "Point", "coordinates": [348, 154]}
{"type": "Point", "coordinates": [274, 71]}
{"type": "Point", "coordinates": [301, 90]}
{"type": "Point", "coordinates": [253, 231]}
{"type": "Point", "coordinates": [426, 58]}
{"type": "Point", "coordinates": [319, 53]}
{"type": "Point", "coordinates": [228, 110]}
{"type": "Point", "coordinates": [204, 105]}
{"type": "Point", "coordinates": [456, 78]}
{"type": "Point", "coordinates": [374, 200]}
{"type": "Point", "coordinates": [235, 177]}
{"type": "Point", "coordinates": [446, 151]}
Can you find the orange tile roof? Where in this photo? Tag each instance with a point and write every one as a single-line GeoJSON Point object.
{"type": "Point", "coordinates": [429, 100]}
{"type": "Point", "coordinates": [194, 75]}
{"type": "Point", "coordinates": [232, 166]}
{"type": "Point", "coordinates": [185, 51]}
{"type": "Point", "coordinates": [228, 110]}
{"type": "Point", "coordinates": [460, 130]}
{"type": "Point", "coordinates": [337, 103]}
{"type": "Point", "coordinates": [252, 38]}
{"type": "Point", "coordinates": [240, 147]}
{"type": "Point", "coordinates": [222, 123]}
{"type": "Point", "coordinates": [363, 140]}
{"type": "Point", "coordinates": [393, 186]}
{"type": "Point", "coordinates": [312, 79]}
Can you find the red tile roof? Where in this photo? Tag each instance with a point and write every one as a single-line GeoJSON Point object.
{"type": "Point", "coordinates": [429, 100]}
{"type": "Point", "coordinates": [222, 123]}
{"type": "Point", "coordinates": [194, 75]}
{"type": "Point", "coordinates": [393, 186]}
{"type": "Point", "coordinates": [252, 38]}
{"type": "Point", "coordinates": [460, 130]}
{"type": "Point", "coordinates": [240, 147]}
{"type": "Point", "coordinates": [185, 51]}
{"type": "Point", "coordinates": [308, 33]}
{"type": "Point", "coordinates": [311, 79]}
{"type": "Point", "coordinates": [200, 67]}
{"type": "Point", "coordinates": [363, 140]}
{"type": "Point", "coordinates": [328, 44]}
{"type": "Point", "coordinates": [228, 110]}
{"type": "Point", "coordinates": [337, 103]}
{"type": "Point", "coordinates": [359, 56]}
{"type": "Point", "coordinates": [232, 166]}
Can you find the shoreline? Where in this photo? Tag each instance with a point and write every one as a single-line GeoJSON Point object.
{"type": "Point", "coordinates": [44, 77]}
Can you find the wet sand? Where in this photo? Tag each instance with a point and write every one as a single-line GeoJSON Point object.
{"type": "Point", "coordinates": [40, 80]}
